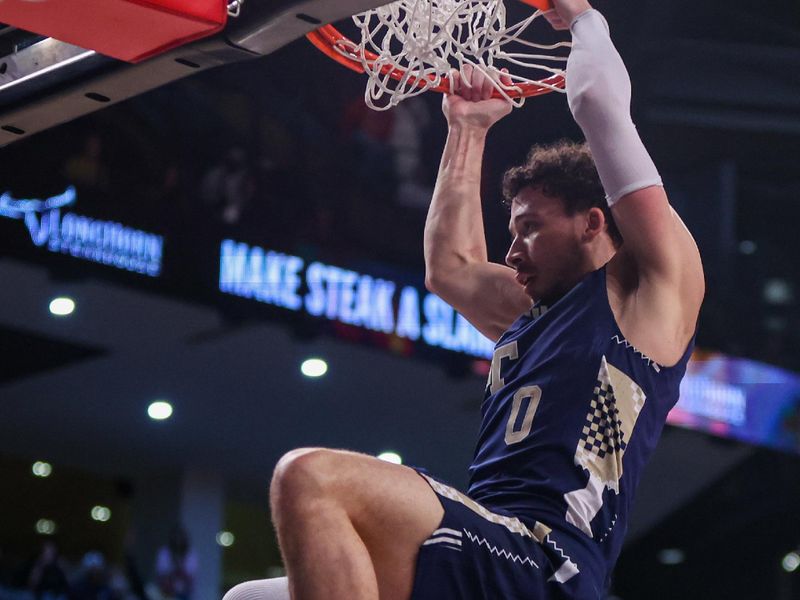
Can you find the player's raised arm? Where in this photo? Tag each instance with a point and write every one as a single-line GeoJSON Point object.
{"type": "Point", "coordinates": [656, 242]}
{"type": "Point", "coordinates": [456, 264]}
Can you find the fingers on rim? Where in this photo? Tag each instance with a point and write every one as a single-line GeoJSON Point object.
{"type": "Point", "coordinates": [487, 88]}
{"type": "Point", "coordinates": [505, 78]}
{"type": "Point", "coordinates": [465, 88]}
{"type": "Point", "coordinates": [478, 83]}
{"type": "Point", "coordinates": [455, 78]}
{"type": "Point", "coordinates": [467, 74]}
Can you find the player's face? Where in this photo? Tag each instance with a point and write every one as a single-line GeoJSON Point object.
{"type": "Point", "coordinates": [546, 251]}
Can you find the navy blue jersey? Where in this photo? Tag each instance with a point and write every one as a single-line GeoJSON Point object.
{"type": "Point", "coordinates": [571, 415]}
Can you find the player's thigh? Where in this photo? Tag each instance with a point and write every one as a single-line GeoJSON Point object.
{"type": "Point", "coordinates": [392, 508]}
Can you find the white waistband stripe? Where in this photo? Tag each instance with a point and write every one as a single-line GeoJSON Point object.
{"type": "Point", "coordinates": [442, 540]}
{"type": "Point", "coordinates": [446, 530]}
{"type": "Point", "coordinates": [540, 533]}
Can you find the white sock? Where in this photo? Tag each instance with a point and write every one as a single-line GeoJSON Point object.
{"type": "Point", "coordinates": [261, 589]}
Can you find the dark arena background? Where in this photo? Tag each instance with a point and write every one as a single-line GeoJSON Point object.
{"type": "Point", "coordinates": [216, 232]}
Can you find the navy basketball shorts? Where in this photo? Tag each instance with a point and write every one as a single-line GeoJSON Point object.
{"type": "Point", "coordinates": [477, 554]}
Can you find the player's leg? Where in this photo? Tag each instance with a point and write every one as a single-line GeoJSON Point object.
{"type": "Point", "coordinates": [350, 525]}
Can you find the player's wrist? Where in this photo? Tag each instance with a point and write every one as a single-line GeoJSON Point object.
{"type": "Point", "coordinates": [474, 121]}
{"type": "Point", "coordinates": [471, 127]}
{"type": "Point", "coordinates": [571, 10]}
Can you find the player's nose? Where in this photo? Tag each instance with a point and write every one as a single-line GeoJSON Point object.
{"type": "Point", "coordinates": [514, 255]}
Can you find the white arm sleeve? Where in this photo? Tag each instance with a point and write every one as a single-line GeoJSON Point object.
{"type": "Point", "coordinates": [261, 589]}
{"type": "Point", "coordinates": [599, 96]}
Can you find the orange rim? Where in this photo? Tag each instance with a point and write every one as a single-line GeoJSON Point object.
{"type": "Point", "coordinates": [540, 4]}
{"type": "Point", "coordinates": [327, 38]}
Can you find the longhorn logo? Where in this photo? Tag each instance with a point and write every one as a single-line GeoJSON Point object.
{"type": "Point", "coordinates": [104, 242]}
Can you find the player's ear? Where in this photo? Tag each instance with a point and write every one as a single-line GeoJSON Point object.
{"type": "Point", "coordinates": [595, 224]}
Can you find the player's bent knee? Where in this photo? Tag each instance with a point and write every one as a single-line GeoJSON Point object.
{"type": "Point", "coordinates": [305, 473]}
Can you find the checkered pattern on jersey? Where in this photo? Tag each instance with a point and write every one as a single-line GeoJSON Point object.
{"type": "Point", "coordinates": [603, 430]}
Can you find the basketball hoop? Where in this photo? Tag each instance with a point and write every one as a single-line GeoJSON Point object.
{"type": "Point", "coordinates": [410, 46]}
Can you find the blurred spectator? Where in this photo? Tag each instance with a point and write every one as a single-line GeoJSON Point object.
{"type": "Point", "coordinates": [86, 169]}
{"type": "Point", "coordinates": [176, 566]}
{"type": "Point", "coordinates": [92, 582]}
{"type": "Point", "coordinates": [369, 133]}
{"type": "Point", "coordinates": [411, 119]}
{"type": "Point", "coordinates": [121, 586]}
{"type": "Point", "coordinates": [132, 574]}
{"type": "Point", "coordinates": [229, 187]}
{"type": "Point", "coordinates": [48, 580]}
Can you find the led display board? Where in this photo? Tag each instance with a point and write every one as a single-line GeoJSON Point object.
{"type": "Point", "coordinates": [106, 242]}
{"type": "Point", "coordinates": [335, 293]}
{"type": "Point", "coordinates": [740, 399]}
{"type": "Point", "coordinates": [724, 396]}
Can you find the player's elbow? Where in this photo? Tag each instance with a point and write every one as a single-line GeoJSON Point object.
{"type": "Point", "coordinates": [445, 286]}
{"type": "Point", "coordinates": [435, 281]}
{"type": "Point", "coordinates": [441, 269]}
{"type": "Point", "coordinates": [430, 283]}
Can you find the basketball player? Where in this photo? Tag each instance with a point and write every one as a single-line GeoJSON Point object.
{"type": "Point", "coordinates": [594, 318]}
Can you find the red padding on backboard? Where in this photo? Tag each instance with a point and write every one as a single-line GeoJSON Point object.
{"type": "Point", "coordinates": [130, 30]}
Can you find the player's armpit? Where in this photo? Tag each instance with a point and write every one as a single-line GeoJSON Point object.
{"type": "Point", "coordinates": [660, 247]}
{"type": "Point", "coordinates": [485, 293]}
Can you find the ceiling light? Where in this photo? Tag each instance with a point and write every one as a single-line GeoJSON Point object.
{"type": "Point", "coordinates": [314, 367]}
{"type": "Point", "coordinates": [62, 306]}
{"type": "Point", "coordinates": [159, 410]}
{"type": "Point", "coordinates": [42, 469]}
{"type": "Point", "coordinates": [748, 247]}
{"type": "Point", "coordinates": [45, 527]}
{"type": "Point", "coordinates": [778, 291]}
{"type": "Point", "coordinates": [101, 513]}
{"type": "Point", "coordinates": [225, 539]}
{"type": "Point", "coordinates": [791, 562]}
{"type": "Point", "coordinates": [391, 457]}
{"type": "Point", "coordinates": [671, 556]}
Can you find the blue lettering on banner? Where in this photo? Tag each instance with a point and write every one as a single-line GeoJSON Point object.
{"type": "Point", "coordinates": [718, 400]}
{"type": "Point", "coordinates": [269, 277]}
{"type": "Point", "coordinates": [344, 295]}
{"type": "Point", "coordinates": [104, 242]}
{"type": "Point", "coordinates": [408, 314]}
{"type": "Point", "coordinates": [349, 297]}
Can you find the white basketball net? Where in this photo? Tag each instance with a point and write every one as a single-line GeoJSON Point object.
{"type": "Point", "coordinates": [427, 38]}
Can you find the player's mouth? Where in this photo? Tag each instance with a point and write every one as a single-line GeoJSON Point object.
{"type": "Point", "coordinates": [524, 279]}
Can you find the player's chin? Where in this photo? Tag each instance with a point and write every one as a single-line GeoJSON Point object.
{"type": "Point", "coordinates": [537, 289]}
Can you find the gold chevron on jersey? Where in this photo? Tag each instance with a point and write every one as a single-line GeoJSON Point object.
{"type": "Point", "coordinates": [613, 411]}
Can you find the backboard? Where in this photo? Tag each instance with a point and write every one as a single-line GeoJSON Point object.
{"type": "Point", "coordinates": [46, 81]}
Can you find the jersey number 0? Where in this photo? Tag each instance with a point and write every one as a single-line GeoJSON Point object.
{"type": "Point", "coordinates": [531, 393]}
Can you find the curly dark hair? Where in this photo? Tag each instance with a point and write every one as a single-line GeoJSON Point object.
{"type": "Point", "coordinates": [563, 170]}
